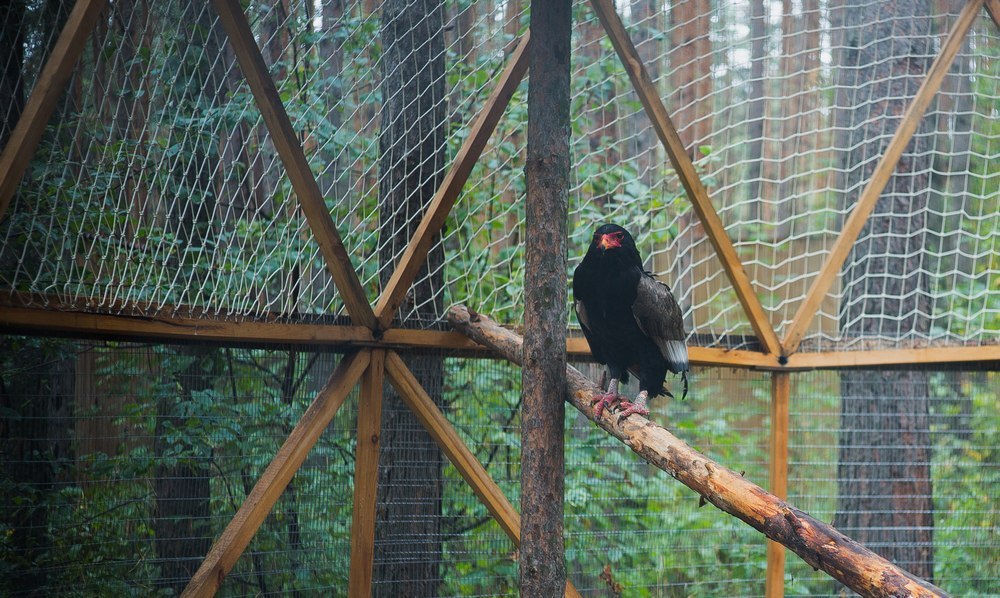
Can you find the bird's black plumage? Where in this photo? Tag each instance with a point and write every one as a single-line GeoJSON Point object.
{"type": "Point", "coordinates": [630, 319]}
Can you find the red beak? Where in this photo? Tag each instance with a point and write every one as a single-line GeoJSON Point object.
{"type": "Point", "coordinates": [608, 242]}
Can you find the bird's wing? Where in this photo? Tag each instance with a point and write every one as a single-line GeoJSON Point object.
{"type": "Point", "coordinates": [660, 318]}
{"type": "Point", "coordinates": [581, 315]}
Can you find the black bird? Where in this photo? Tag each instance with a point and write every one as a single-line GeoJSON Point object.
{"type": "Point", "coordinates": [630, 319]}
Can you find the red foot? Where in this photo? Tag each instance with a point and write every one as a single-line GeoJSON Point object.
{"type": "Point", "coordinates": [608, 399]}
{"type": "Point", "coordinates": [630, 408]}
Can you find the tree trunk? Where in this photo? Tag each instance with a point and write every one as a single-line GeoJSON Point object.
{"type": "Point", "coordinates": [884, 443]}
{"type": "Point", "coordinates": [691, 56]}
{"type": "Point", "coordinates": [411, 167]}
{"type": "Point", "coordinates": [543, 379]}
{"type": "Point", "coordinates": [32, 442]}
{"type": "Point", "coordinates": [181, 483]}
{"type": "Point", "coordinates": [643, 147]}
{"type": "Point", "coordinates": [11, 81]}
{"type": "Point", "coordinates": [756, 110]}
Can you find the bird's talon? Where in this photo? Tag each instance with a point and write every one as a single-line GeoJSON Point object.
{"type": "Point", "coordinates": [630, 408]}
{"type": "Point", "coordinates": [604, 400]}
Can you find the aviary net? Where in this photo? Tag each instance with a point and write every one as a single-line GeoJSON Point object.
{"type": "Point", "coordinates": [157, 187]}
{"type": "Point", "coordinates": [160, 190]}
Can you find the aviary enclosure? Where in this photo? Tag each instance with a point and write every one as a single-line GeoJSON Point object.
{"type": "Point", "coordinates": [232, 233]}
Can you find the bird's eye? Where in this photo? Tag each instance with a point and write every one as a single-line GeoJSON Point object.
{"type": "Point", "coordinates": [619, 236]}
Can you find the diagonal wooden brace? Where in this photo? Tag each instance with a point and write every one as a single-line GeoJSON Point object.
{"type": "Point", "coordinates": [696, 191]}
{"type": "Point", "coordinates": [237, 535]}
{"type": "Point", "coordinates": [290, 150]}
{"type": "Point", "coordinates": [880, 178]}
{"type": "Point", "coordinates": [23, 142]}
{"type": "Point", "coordinates": [440, 206]}
{"type": "Point", "coordinates": [441, 430]}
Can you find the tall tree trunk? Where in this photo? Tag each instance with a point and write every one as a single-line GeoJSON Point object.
{"type": "Point", "coordinates": [182, 485]}
{"type": "Point", "coordinates": [40, 393]}
{"type": "Point", "coordinates": [643, 145]}
{"type": "Point", "coordinates": [181, 482]}
{"type": "Point", "coordinates": [954, 115]}
{"type": "Point", "coordinates": [11, 80]}
{"type": "Point", "coordinates": [756, 109]}
{"type": "Point", "coordinates": [800, 77]}
{"type": "Point", "coordinates": [603, 137]}
{"type": "Point", "coordinates": [691, 83]}
{"type": "Point", "coordinates": [885, 498]}
{"type": "Point", "coordinates": [411, 167]}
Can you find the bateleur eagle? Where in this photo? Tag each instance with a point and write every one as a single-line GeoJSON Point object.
{"type": "Point", "coordinates": [630, 319]}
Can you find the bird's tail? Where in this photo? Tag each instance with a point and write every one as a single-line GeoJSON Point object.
{"type": "Point", "coordinates": [676, 353]}
{"type": "Point", "coordinates": [684, 377]}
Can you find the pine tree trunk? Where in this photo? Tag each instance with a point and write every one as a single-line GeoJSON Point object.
{"type": "Point", "coordinates": [884, 445]}
{"type": "Point", "coordinates": [181, 486]}
{"type": "Point", "coordinates": [12, 92]}
{"type": "Point", "coordinates": [691, 83]}
{"type": "Point", "coordinates": [411, 167]}
{"type": "Point", "coordinates": [756, 110]}
{"type": "Point", "coordinates": [35, 435]}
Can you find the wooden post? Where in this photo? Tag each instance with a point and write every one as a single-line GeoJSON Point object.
{"type": "Point", "coordinates": [299, 174]}
{"type": "Point", "coordinates": [774, 586]}
{"type": "Point", "coordinates": [542, 557]}
{"type": "Point", "coordinates": [366, 477]}
{"type": "Point", "coordinates": [235, 538]}
{"type": "Point", "coordinates": [23, 142]}
{"type": "Point", "coordinates": [819, 544]}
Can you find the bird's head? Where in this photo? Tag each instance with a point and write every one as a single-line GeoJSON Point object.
{"type": "Point", "coordinates": [610, 237]}
{"type": "Point", "coordinates": [614, 245]}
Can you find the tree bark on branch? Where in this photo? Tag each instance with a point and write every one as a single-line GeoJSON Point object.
{"type": "Point", "coordinates": [818, 544]}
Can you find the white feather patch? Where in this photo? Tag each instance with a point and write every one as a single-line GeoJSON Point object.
{"type": "Point", "coordinates": [676, 354]}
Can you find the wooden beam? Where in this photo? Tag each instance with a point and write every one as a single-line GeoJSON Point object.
{"type": "Point", "coordinates": [172, 328]}
{"type": "Point", "coordinates": [774, 580]}
{"type": "Point", "coordinates": [59, 319]}
{"type": "Point", "coordinates": [366, 477]}
{"type": "Point", "coordinates": [689, 178]}
{"type": "Point", "coordinates": [235, 538]}
{"type": "Point", "coordinates": [880, 177]}
{"type": "Point", "coordinates": [993, 9]}
{"type": "Point", "coordinates": [290, 150]}
{"type": "Point", "coordinates": [472, 471]}
{"type": "Point", "coordinates": [440, 206]}
{"type": "Point", "coordinates": [888, 357]}
{"type": "Point", "coordinates": [819, 544]}
{"type": "Point", "coordinates": [23, 141]}
{"type": "Point", "coordinates": [445, 435]}
{"type": "Point", "coordinates": [54, 321]}
{"type": "Point", "coordinates": [577, 347]}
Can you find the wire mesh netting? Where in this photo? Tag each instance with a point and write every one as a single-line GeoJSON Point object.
{"type": "Point", "coordinates": [948, 472]}
{"type": "Point", "coordinates": [123, 463]}
{"type": "Point", "coordinates": [157, 188]}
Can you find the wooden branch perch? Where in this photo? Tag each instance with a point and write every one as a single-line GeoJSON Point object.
{"type": "Point", "coordinates": [819, 544]}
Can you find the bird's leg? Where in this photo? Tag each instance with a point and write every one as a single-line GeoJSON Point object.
{"type": "Point", "coordinates": [607, 399]}
{"type": "Point", "coordinates": [639, 406]}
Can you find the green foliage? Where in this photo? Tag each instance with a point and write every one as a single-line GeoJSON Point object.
{"type": "Point", "coordinates": [100, 511]}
